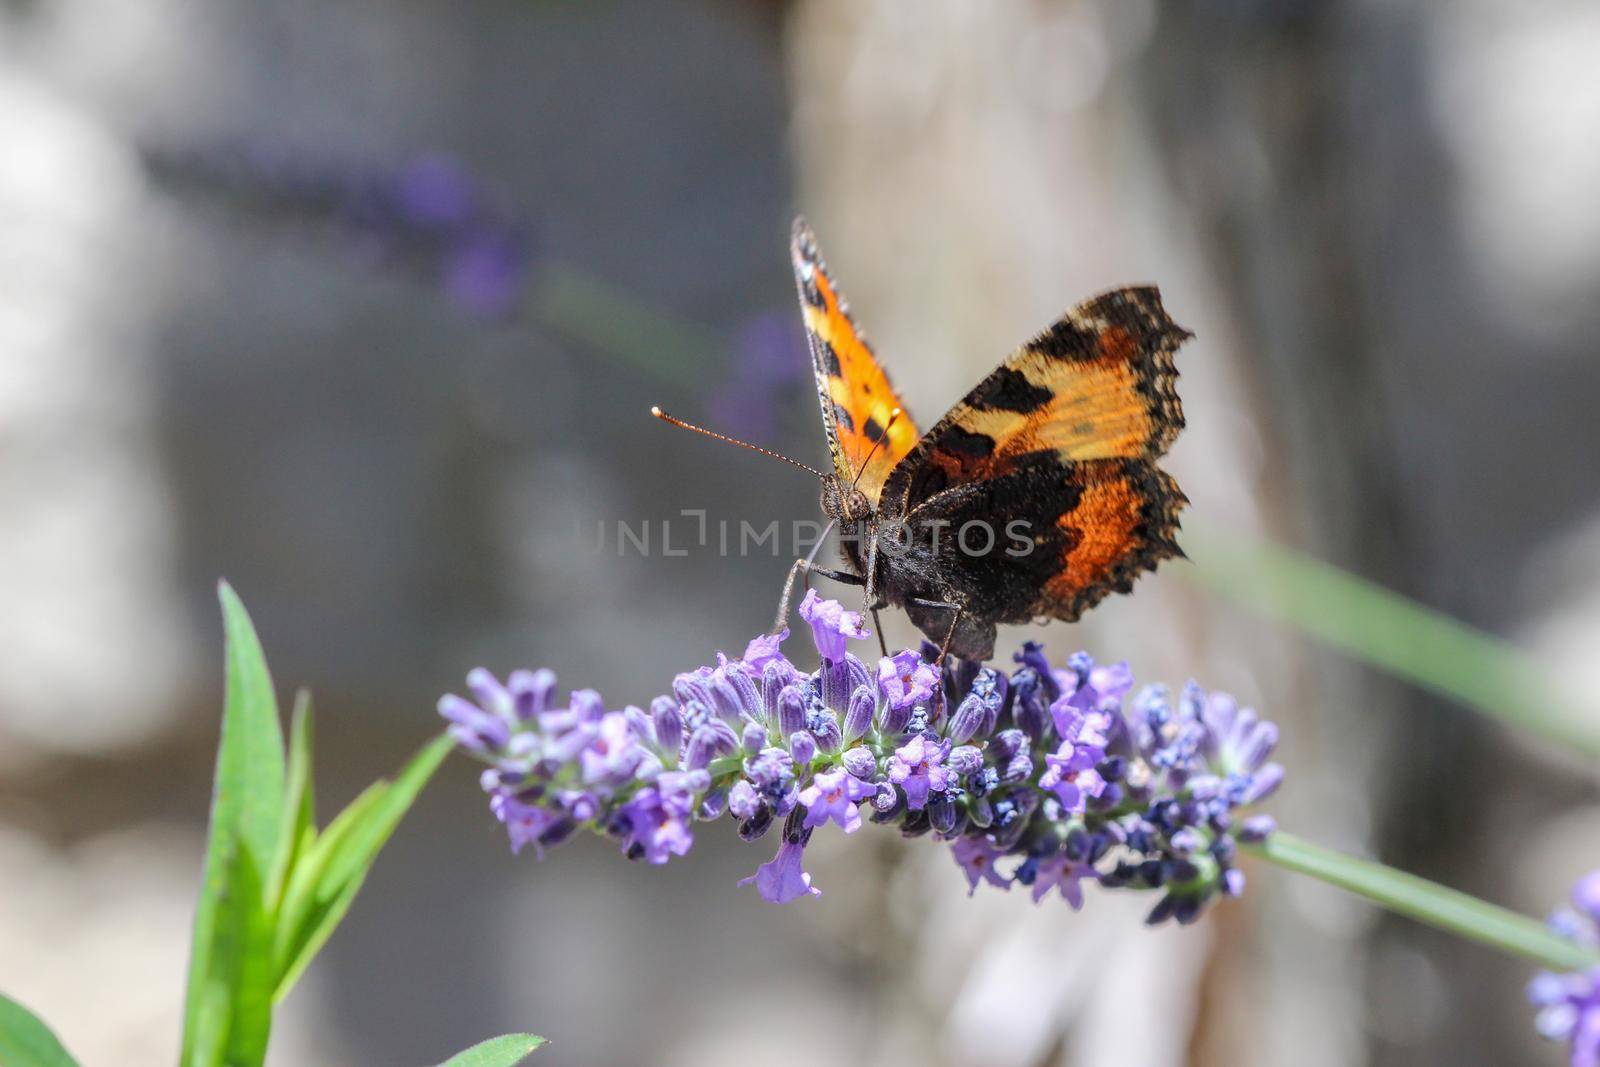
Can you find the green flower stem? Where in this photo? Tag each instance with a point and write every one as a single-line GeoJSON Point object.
{"type": "Point", "coordinates": [1390, 632]}
{"type": "Point", "coordinates": [614, 322]}
{"type": "Point", "coordinates": [1427, 902]}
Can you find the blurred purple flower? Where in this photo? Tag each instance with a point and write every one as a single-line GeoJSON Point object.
{"type": "Point", "coordinates": [976, 857]}
{"type": "Point", "coordinates": [429, 216]}
{"type": "Point", "coordinates": [769, 360]}
{"type": "Point", "coordinates": [1569, 1004]}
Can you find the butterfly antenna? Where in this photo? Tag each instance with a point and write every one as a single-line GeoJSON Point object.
{"type": "Point", "coordinates": [664, 417]}
{"type": "Point", "coordinates": [895, 414]}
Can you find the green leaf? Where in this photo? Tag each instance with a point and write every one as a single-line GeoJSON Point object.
{"type": "Point", "coordinates": [228, 1010]}
{"type": "Point", "coordinates": [25, 1041]}
{"type": "Point", "coordinates": [300, 896]}
{"type": "Point", "coordinates": [337, 864]}
{"type": "Point", "coordinates": [506, 1051]}
{"type": "Point", "coordinates": [1388, 631]}
{"type": "Point", "coordinates": [1428, 902]}
{"type": "Point", "coordinates": [299, 830]}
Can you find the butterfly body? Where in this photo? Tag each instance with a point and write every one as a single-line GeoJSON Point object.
{"type": "Point", "coordinates": [1033, 498]}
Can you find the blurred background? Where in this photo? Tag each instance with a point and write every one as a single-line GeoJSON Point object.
{"type": "Point", "coordinates": [362, 304]}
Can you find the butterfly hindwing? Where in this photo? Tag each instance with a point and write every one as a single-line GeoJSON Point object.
{"type": "Point", "coordinates": [1098, 384]}
{"type": "Point", "coordinates": [1049, 539]}
{"type": "Point", "coordinates": [858, 403]}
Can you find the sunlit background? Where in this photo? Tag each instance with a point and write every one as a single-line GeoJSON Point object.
{"type": "Point", "coordinates": [362, 305]}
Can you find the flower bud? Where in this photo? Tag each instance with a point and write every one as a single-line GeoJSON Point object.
{"type": "Point", "coordinates": [858, 716]}
{"type": "Point", "coordinates": [713, 804]}
{"type": "Point", "coordinates": [773, 680]}
{"type": "Point", "coordinates": [531, 692]}
{"type": "Point", "coordinates": [887, 802]}
{"type": "Point", "coordinates": [791, 710]}
{"type": "Point", "coordinates": [861, 763]}
{"type": "Point", "coordinates": [587, 705]}
{"type": "Point", "coordinates": [1028, 708]}
{"type": "Point", "coordinates": [824, 729]}
{"type": "Point", "coordinates": [747, 695]}
{"type": "Point", "coordinates": [895, 720]}
{"type": "Point", "coordinates": [668, 722]}
{"type": "Point", "coordinates": [942, 813]}
{"type": "Point", "coordinates": [742, 800]}
{"type": "Point", "coordinates": [754, 737]}
{"type": "Point", "coordinates": [727, 740]}
{"type": "Point", "coordinates": [640, 724]}
{"type": "Point", "coordinates": [692, 687]}
{"type": "Point", "coordinates": [964, 759]}
{"type": "Point", "coordinates": [968, 720]}
{"type": "Point", "coordinates": [803, 747]}
{"type": "Point", "coordinates": [1017, 769]}
{"type": "Point", "coordinates": [1257, 828]}
{"type": "Point", "coordinates": [840, 680]}
{"type": "Point", "coordinates": [706, 743]}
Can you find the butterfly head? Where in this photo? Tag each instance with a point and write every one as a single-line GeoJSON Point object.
{"type": "Point", "coordinates": [844, 502]}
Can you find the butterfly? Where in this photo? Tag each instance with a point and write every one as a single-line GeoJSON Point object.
{"type": "Point", "coordinates": [1032, 499]}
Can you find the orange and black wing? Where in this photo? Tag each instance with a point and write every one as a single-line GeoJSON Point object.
{"type": "Point", "coordinates": [858, 403]}
{"type": "Point", "coordinates": [1099, 384]}
{"type": "Point", "coordinates": [1052, 539]}
{"type": "Point", "coordinates": [1063, 438]}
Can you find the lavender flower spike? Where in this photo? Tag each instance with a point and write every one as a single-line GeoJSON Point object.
{"type": "Point", "coordinates": [1050, 778]}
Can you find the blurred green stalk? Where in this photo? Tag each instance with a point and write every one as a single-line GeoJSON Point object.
{"type": "Point", "coordinates": [617, 324]}
{"type": "Point", "coordinates": [1427, 902]}
{"type": "Point", "coordinates": [1389, 631]}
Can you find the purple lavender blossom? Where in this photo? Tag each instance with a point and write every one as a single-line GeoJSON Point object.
{"type": "Point", "coordinates": [1046, 778]}
{"type": "Point", "coordinates": [830, 625]}
{"type": "Point", "coordinates": [976, 857]}
{"type": "Point", "coordinates": [918, 768]}
{"type": "Point", "coordinates": [781, 878]}
{"type": "Point", "coordinates": [905, 680]}
{"type": "Point", "coordinates": [835, 796]}
{"type": "Point", "coordinates": [1063, 875]}
{"type": "Point", "coordinates": [1569, 1004]}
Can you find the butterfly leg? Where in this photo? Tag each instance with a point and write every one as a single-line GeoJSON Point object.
{"type": "Point", "coordinates": [956, 612]}
{"type": "Point", "coordinates": [877, 624]}
{"type": "Point", "coordinates": [869, 595]}
{"type": "Point", "coordinates": [807, 568]}
{"type": "Point", "coordinates": [950, 634]}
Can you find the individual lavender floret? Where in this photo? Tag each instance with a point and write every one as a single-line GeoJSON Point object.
{"type": "Point", "coordinates": [906, 680]}
{"type": "Point", "coordinates": [1043, 778]}
{"type": "Point", "coordinates": [831, 624]}
{"type": "Point", "coordinates": [1569, 1004]}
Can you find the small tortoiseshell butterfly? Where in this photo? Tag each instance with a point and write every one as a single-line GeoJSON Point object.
{"type": "Point", "coordinates": [1033, 498]}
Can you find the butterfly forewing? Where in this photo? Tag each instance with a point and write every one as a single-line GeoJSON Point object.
{"type": "Point", "coordinates": [1098, 384]}
{"type": "Point", "coordinates": [858, 403]}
